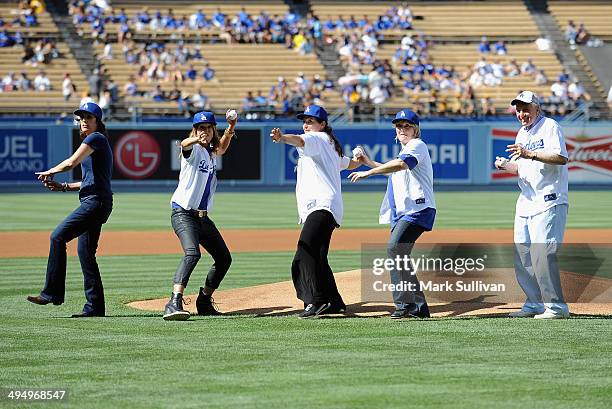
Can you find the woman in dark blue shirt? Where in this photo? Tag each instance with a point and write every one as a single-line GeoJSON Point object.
{"type": "Point", "coordinates": [96, 159]}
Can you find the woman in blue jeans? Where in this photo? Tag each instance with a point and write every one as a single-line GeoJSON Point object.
{"type": "Point", "coordinates": [409, 206]}
{"type": "Point", "coordinates": [191, 202]}
{"type": "Point", "coordinates": [96, 203]}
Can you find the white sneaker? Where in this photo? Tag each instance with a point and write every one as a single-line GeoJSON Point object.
{"type": "Point", "coordinates": [551, 315]}
{"type": "Point", "coordinates": [522, 314]}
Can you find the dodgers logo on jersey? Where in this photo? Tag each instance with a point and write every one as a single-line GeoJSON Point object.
{"type": "Point", "coordinates": [539, 144]}
{"type": "Point", "coordinates": [204, 166]}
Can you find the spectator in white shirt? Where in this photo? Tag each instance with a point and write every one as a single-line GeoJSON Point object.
{"type": "Point", "coordinates": [68, 87]}
{"type": "Point", "coordinates": [108, 51]}
{"type": "Point", "coordinates": [576, 91]}
{"type": "Point", "coordinates": [9, 83]}
{"type": "Point", "coordinates": [199, 101]}
{"type": "Point", "coordinates": [559, 91]}
{"type": "Point", "coordinates": [42, 82]}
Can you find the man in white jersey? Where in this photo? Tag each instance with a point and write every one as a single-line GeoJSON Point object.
{"type": "Point", "coordinates": [539, 157]}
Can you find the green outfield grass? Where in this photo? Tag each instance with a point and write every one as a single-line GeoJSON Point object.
{"type": "Point", "coordinates": [150, 211]}
{"type": "Point", "coordinates": [134, 359]}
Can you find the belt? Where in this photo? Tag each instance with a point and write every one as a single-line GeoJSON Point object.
{"type": "Point", "coordinates": [199, 213]}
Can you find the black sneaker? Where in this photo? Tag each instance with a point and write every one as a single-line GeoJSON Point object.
{"type": "Point", "coordinates": [205, 304]}
{"type": "Point", "coordinates": [336, 308]}
{"type": "Point", "coordinates": [174, 309]}
{"type": "Point", "coordinates": [313, 310]}
{"type": "Point", "coordinates": [404, 313]}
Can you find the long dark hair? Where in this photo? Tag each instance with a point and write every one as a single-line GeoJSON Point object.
{"type": "Point", "coordinates": [214, 142]}
{"type": "Point", "coordinates": [100, 127]}
{"type": "Point", "coordinates": [328, 130]}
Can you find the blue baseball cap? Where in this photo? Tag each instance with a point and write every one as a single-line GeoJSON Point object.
{"type": "Point", "coordinates": [406, 115]}
{"type": "Point", "coordinates": [89, 108]}
{"type": "Point", "coordinates": [314, 111]}
{"type": "Point", "coordinates": [204, 117]}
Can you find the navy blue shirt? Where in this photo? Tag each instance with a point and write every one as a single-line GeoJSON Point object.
{"type": "Point", "coordinates": [97, 168]}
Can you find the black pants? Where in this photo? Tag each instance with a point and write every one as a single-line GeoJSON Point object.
{"type": "Point", "coordinates": [194, 231]}
{"type": "Point", "coordinates": [312, 276]}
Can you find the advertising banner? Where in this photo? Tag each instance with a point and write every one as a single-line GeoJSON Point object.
{"type": "Point", "coordinates": [154, 154]}
{"type": "Point", "coordinates": [22, 152]}
{"type": "Point", "coordinates": [448, 148]}
{"type": "Point", "coordinates": [589, 151]}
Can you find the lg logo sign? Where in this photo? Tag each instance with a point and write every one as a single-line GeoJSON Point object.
{"type": "Point", "coordinates": [137, 155]}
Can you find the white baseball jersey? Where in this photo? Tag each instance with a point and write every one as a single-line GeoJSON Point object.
{"type": "Point", "coordinates": [542, 185]}
{"type": "Point", "coordinates": [197, 180]}
{"type": "Point", "coordinates": [409, 190]}
{"type": "Point", "coordinates": [318, 176]}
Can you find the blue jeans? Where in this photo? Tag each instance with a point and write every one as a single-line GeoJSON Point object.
{"type": "Point", "coordinates": [402, 239]}
{"type": "Point", "coordinates": [194, 231]}
{"type": "Point", "coordinates": [85, 222]}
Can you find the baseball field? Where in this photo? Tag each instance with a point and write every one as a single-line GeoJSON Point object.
{"type": "Point", "coordinates": [254, 357]}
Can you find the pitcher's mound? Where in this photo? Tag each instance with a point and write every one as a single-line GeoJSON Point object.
{"type": "Point", "coordinates": [280, 299]}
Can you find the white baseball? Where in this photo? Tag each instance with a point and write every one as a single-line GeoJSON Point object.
{"type": "Point", "coordinates": [231, 115]}
{"type": "Point", "coordinates": [358, 152]}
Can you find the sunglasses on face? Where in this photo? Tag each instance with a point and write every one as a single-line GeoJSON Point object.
{"type": "Point", "coordinates": [84, 118]}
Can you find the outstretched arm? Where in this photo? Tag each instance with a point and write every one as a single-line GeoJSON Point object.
{"type": "Point", "coordinates": [290, 139]}
{"type": "Point", "coordinates": [385, 168]}
{"type": "Point", "coordinates": [72, 162]}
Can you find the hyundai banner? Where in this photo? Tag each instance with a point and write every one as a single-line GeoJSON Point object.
{"type": "Point", "coordinates": [448, 149]}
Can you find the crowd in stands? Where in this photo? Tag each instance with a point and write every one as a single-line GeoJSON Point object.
{"type": "Point", "coordinates": [579, 35]}
{"type": "Point", "coordinates": [162, 67]}
{"type": "Point", "coordinates": [24, 16]}
{"type": "Point", "coordinates": [286, 97]}
{"type": "Point", "coordinates": [565, 95]}
{"type": "Point", "coordinates": [241, 28]}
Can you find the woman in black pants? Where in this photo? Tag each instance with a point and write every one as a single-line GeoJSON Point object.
{"type": "Point", "coordinates": [320, 209]}
{"type": "Point", "coordinates": [96, 204]}
{"type": "Point", "coordinates": [191, 203]}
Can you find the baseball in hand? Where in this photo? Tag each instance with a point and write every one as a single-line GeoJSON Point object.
{"type": "Point", "coordinates": [358, 152]}
{"type": "Point", "coordinates": [231, 115]}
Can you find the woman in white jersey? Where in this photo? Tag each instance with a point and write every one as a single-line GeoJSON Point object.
{"type": "Point", "coordinates": [320, 209]}
{"type": "Point", "coordinates": [409, 206]}
{"type": "Point", "coordinates": [191, 202]}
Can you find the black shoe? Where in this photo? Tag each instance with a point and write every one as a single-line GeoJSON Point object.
{"type": "Point", "coordinates": [336, 308]}
{"type": "Point", "coordinates": [205, 304]}
{"type": "Point", "coordinates": [88, 314]}
{"type": "Point", "coordinates": [313, 310]}
{"type": "Point", "coordinates": [174, 309]}
{"type": "Point", "coordinates": [405, 313]}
